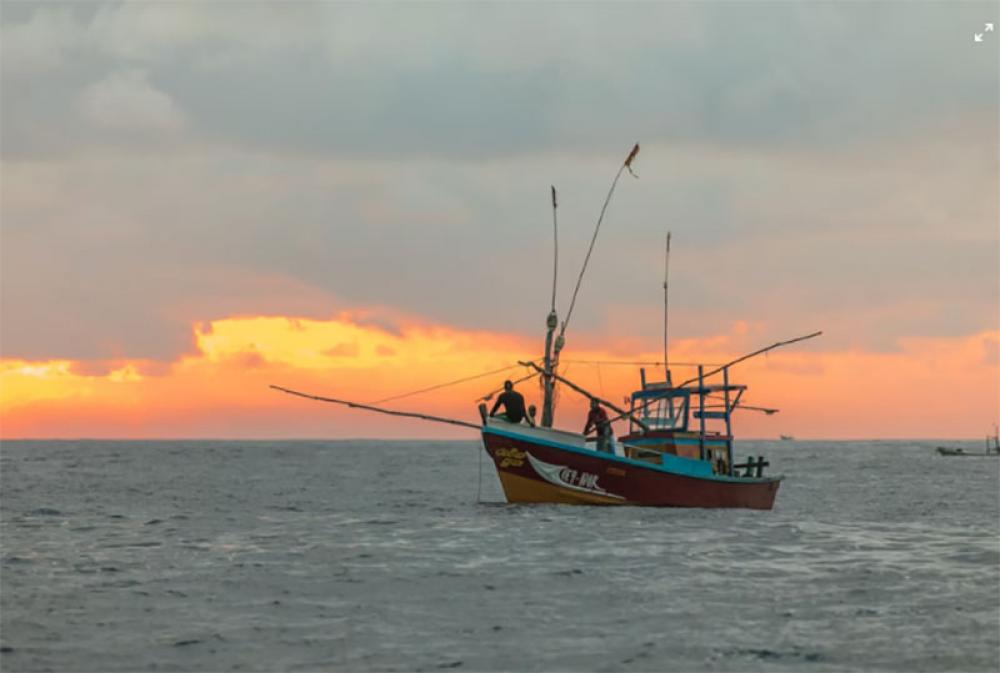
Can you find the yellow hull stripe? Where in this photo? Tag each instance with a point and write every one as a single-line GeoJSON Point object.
{"type": "Point", "coordinates": [520, 489]}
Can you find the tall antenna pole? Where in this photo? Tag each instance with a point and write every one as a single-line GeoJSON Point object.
{"type": "Point", "coordinates": [555, 247]}
{"type": "Point", "coordinates": [666, 312]}
{"type": "Point", "coordinates": [551, 322]}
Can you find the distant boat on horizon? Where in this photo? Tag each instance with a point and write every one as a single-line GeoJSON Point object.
{"type": "Point", "coordinates": [786, 438]}
{"type": "Point", "coordinates": [992, 447]}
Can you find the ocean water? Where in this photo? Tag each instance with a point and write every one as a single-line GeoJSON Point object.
{"type": "Point", "coordinates": [396, 556]}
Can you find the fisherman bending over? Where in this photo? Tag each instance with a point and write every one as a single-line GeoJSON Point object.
{"type": "Point", "coordinates": [513, 405]}
{"type": "Point", "coordinates": [597, 419]}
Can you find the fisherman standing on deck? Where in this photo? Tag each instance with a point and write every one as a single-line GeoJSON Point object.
{"type": "Point", "coordinates": [597, 419]}
{"type": "Point", "coordinates": [513, 405]}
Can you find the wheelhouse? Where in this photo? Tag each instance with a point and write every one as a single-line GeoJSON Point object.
{"type": "Point", "coordinates": [691, 420]}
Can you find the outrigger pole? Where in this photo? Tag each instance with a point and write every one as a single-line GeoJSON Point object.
{"type": "Point", "coordinates": [391, 412]}
{"type": "Point", "coordinates": [702, 376]}
{"type": "Point", "coordinates": [770, 411]}
{"type": "Point", "coordinates": [750, 355]}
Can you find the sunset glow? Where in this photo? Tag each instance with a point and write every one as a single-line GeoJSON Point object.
{"type": "Point", "coordinates": [925, 388]}
{"type": "Point", "coordinates": [199, 200]}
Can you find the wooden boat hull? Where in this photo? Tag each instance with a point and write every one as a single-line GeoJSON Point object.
{"type": "Point", "coordinates": [946, 451]}
{"type": "Point", "coordinates": [538, 470]}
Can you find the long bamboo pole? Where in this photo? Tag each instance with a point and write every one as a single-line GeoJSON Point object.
{"type": "Point", "coordinates": [720, 368]}
{"type": "Point", "coordinates": [754, 354]}
{"type": "Point", "coordinates": [551, 322]}
{"type": "Point", "coordinates": [368, 407]}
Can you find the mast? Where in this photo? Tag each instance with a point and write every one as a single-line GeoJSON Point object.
{"type": "Point", "coordinates": [548, 383]}
{"type": "Point", "coordinates": [551, 322]}
{"type": "Point", "coordinates": [666, 306]}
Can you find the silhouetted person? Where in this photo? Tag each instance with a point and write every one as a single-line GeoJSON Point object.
{"type": "Point", "coordinates": [513, 405]}
{"type": "Point", "coordinates": [597, 419]}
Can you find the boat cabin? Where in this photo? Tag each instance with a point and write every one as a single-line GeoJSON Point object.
{"type": "Point", "coordinates": [691, 420]}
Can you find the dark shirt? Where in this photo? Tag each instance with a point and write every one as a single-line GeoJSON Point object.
{"type": "Point", "coordinates": [513, 404]}
{"type": "Point", "coordinates": [597, 418]}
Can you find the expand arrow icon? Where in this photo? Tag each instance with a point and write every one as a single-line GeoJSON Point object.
{"type": "Point", "coordinates": [978, 37]}
{"type": "Point", "coordinates": [989, 27]}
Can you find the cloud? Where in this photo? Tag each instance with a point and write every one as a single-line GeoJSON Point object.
{"type": "Point", "coordinates": [880, 241]}
{"type": "Point", "coordinates": [126, 100]}
{"type": "Point", "coordinates": [229, 371]}
{"type": "Point", "coordinates": [475, 81]}
{"type": "Point", "coordinates": [343, 350]}
{"type": "Point", "coordinates": [826, 166]}
{"type": "Point", "coordinates": [39, 43]}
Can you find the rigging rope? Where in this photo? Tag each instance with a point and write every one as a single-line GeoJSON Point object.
{"type": "Point", "coordinates": [445, 385]}
{"type": "Point", "coordinates": [607, 200]}
{"type": "Point", "coordinates": [488, 396]}
{"type": "Point", "coordinates": [479, 490]}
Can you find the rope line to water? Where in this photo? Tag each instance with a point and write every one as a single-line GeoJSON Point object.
{"type": "Point", "coordinates": [479, 490]}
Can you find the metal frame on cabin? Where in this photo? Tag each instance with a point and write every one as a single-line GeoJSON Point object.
{"type": "Point", "coordinates": [678, 407]}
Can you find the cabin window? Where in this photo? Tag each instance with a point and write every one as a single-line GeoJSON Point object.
{"type": "Point", "coordinates": [664, 414]}
{"type": "Point", "coordinates": [667, 413]}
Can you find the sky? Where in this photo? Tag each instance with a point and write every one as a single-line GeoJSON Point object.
{"type": "Point", "coordinates": [203, 199]}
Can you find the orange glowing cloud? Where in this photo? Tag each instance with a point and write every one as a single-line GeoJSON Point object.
{"type": "Point", "coordinates": [222, 389]}
{"type": "Point", "coordinates": [941, 387]}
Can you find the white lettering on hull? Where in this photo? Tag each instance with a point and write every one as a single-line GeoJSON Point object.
{"type": "Point", "coordinates": [567, 477]}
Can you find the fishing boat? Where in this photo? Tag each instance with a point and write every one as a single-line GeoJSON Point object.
{"type": "Point", "coordinates": [786, 438]}
{"type": "Point", "coordinates": [678, 449]}
{"type": "Point", "coordinates": [992, 447]}
{"type": "Point", "coordinates": [668, 458]}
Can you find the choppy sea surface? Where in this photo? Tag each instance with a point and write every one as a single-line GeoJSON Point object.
{"type": "Point", "coordinates": [394, 556]}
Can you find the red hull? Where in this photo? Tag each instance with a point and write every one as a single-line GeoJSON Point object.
{"type": "Point", "coordinates": [542, 472]}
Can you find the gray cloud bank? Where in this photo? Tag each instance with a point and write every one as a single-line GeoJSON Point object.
{"type": "Point", "coordinates": [169, 162]}
{"type": "Point", "coordinates": [474, 80]}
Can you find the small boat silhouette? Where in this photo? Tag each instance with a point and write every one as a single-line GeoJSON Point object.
{"type": "Point", "coordinates": [992, 448]}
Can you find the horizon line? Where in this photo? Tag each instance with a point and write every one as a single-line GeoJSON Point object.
{"type": "Point", "coordinates": [443, 439]}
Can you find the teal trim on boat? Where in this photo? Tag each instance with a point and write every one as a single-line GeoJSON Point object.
{"type": "Point", "coordinates": [688, 467]}
{"type": "Point", "coordinates": [692, 467]}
